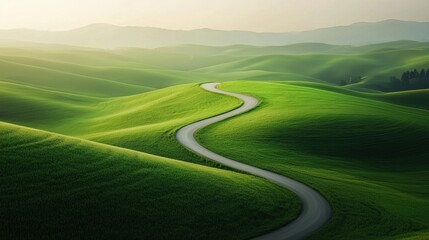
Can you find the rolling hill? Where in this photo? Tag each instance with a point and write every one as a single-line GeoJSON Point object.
{"type": "Point", "coordinates": [87, 140]}
{"type": "Point", "coordinates": [292, 49]}
{"type": "Point", "coordinates": [53, 186]}
{"type": "Point", "coordinates": [93, 72]}
{"type": "Point", "coordinates": [124, 122]}
{"type": "Point", "coordinates": [296, 132]}
{"type": "Point", "coordinates": [128, 71]}
{"type": "Point", "coordinates": [367, 156]}
{"type": "Point", "coordinates": [375, 66]}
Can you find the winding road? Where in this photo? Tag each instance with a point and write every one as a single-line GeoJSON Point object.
{"type": "Point", "coordinates": [316, 210]}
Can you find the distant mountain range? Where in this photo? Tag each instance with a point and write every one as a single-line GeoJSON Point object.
{"type": "Point", "coordinates": [111, 36]}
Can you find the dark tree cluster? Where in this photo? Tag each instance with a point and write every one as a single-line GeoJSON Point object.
{"type": "Point", "coordinates": [411, 80]}
{"type": "Point", "coordinates": [351, 80]}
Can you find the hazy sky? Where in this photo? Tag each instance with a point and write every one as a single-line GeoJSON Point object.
{"type": "Point", "coordinates": [256, 15]}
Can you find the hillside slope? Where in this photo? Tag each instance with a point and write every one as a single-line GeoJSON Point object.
{"type": "Point", "coordinates": [122, 72]}
{"type": "Point", "coordinates": [367, 156]}
{"type": "Point", "coordinates": [49, 192]}
{"type": "Point", "coordinates": [375, 67]}
{"type": "Point", "coordinates": [35, 107]}
{"type": "Point", "coordinates": [127, 122]}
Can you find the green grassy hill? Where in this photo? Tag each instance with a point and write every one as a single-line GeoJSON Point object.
{"type": "Point", "coordinates": [57, 80]}
{"type": "Point", "coordinates": [293, 49]}
{"type": "Point", "coordinates": [375, 66]}
{"type": "Point", "coordinates": [54, 186]}
{"type": "Point", "coordinates": [96, 81]}
{"type": "Point", "coordinates": [329, 137]}
{"type": "Point", "coordinates": [134, 58]}
{"type": "Point", "coordinates": [37, 107]}
{"type": "Point", "coordinates": [415, 98]}
{"type": "Point", "coordinates": [367, 156]}
{"type": "Point", "coordinates": [364, 149]}
{"type": "Point", "coordinates": [133, 71]}
{"type": "Point", "coordinates": [126, 122]}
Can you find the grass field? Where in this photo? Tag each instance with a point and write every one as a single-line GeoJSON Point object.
{"type": "Point", "coordinates": [376, 66]}
{"type": "Point", "coordinates": [48, 191]}
{"type": "Point", "coordinates": [368, 157]}
{"type": "Point", "coordinates": [125, 122]}
{"type": "Point", "coordinates": [364, 149]}
{"type": "Point", "coordinates": [130, 71]}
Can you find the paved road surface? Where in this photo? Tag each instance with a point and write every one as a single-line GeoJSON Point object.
{"type": "Point", "coordinates": [316, 210]}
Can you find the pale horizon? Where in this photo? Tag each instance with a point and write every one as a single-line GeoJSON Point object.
{"type": "Point", "coordinates": [250, 15]}
{"type": "Point", "coordinates": [190, 29]}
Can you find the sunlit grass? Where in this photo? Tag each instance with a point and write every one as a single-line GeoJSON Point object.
{"type": "Point", "coordinates": [367, 156]}
{"type": "Point", "coordinates": [53, 186]}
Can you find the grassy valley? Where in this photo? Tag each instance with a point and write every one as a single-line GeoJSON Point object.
{"type": "Point", "coordinates": [88, 147]}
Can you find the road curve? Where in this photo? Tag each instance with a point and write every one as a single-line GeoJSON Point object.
{"type": "Point", "coordinates": [316, 210]}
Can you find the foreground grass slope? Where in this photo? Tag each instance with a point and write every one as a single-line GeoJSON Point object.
{"type": "Point", "coordinates": [367, 157]}
{"type": "Point", "coordinates": [52, 186]}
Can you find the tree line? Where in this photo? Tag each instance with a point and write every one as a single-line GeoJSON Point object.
{"type": "Point", "coordinates": [411, 80]}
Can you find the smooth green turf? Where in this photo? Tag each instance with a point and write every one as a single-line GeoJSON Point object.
{"type": "Point", "coordinates": [37, 107]}
{"type": "Point", "coordinates": [145, 122]}
{"type": "Point", "coordinates": [368, 157]}
{"type": "Point", "coordinates": [360, 148]}
{"type": "Point", "coordinates": [412, 98]}
{"type": "Point", "coordinates": [329, 137]}
{"type": "Point", "coordinates": [53, 186]}
{"type": "Point", "coordinates": [148, 122]}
